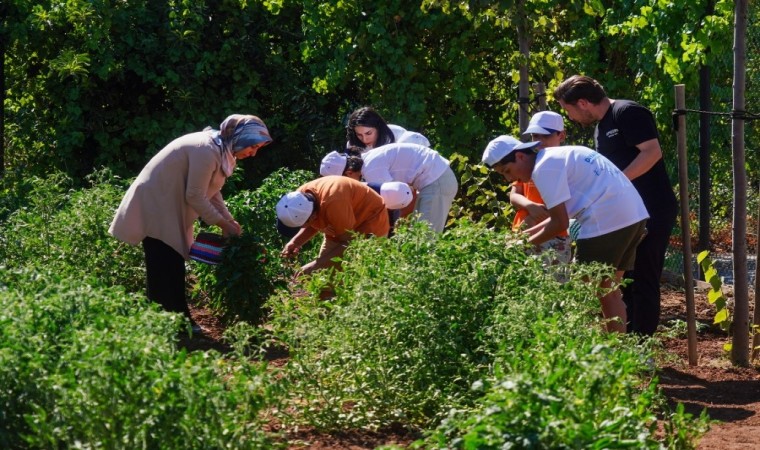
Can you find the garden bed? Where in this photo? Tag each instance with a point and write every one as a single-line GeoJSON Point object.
{"type": "Point", "coordinates": [731, 395]}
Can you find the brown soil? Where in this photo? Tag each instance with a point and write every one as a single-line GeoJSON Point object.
{"type": "Point", "coordinates": [730, 394]}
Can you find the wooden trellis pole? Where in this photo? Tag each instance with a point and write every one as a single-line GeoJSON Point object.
{"type": "Point", "coordinates": [540, 91]}
{"type": "Point", "coordinates": [756, 316]}
{"type": "Point", "coordinates": [683, 184]}
{"type": "Point", "coordinates": [740, 340]}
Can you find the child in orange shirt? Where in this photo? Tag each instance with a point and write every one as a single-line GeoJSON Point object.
{"type": "Point", "coordinates": [548, 128]}
{"type": "Point", "coordinates": [336, 206]}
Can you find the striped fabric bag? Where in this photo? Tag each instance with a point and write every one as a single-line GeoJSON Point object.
{"type": "Point", "coordinates": [208, 248]}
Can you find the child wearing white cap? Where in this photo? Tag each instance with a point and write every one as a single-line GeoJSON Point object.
{"type": "Point", "coordinates": [336, 206]}
{"type": "Point", "coordinates": [545, 123]}
{"type": "Point", "coordinates": [578, 182]}
{"type": "Point", "coordinates": [548, 128]}
{"type": "Point", "coordinates": [422, 168]}
{"type": "Point", "coordinates": [396, 195]}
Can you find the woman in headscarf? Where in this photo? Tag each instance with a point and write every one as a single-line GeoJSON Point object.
{"type": "Point", "coordinates": [179, 184]}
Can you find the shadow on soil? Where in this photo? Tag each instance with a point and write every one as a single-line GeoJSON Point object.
{"type": "Point", "coordinates": [722, 399]}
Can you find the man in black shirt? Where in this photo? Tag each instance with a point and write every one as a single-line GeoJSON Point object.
{"type": "Point", "coordinates": [626, 134]}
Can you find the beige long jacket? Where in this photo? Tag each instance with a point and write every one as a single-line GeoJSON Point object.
{"type": "Point", "coordinates": [179, 184]}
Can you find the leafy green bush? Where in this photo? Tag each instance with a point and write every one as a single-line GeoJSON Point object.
{"type": "Point", "coordinates": [566, 390]}
{"type": "Point", "coordinates": [414, 322]}
{"type": "Point", "coordinates": [14, 192]}
{"type": "Point", "coordinates": [467, 321]}
{"type": "Point", "coordinates": [111, 83]}
{"type": "Point", "coordinates": [91, 367]}
{"type": "Point", "coordinates": [67, 230]}
{"type": "Point", "coordinates": [251, 268]}
{"type": "Point", "coordinates": [480, 198]}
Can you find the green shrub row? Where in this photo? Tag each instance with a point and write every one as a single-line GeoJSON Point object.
{"type": "Point", "coordinates": [66, 231]}
{"type": "Point", "coordinates": [465, 335]}
{"type": "Point", "coordinates": [94, 367]}
{"type": "Point", "coordinates": [571, 390]}
{"type": "Point", "coordinates": [49, 224]}
{"type": "Point", "coordinates": [472, 329]}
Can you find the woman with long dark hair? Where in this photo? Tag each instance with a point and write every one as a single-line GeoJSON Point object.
{"type": "Point", "coordinates": [367, 129]}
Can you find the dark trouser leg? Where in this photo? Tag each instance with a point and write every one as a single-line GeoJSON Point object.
{"type": "Point", "coordinates": [642, 297]}
{"type": "Point", "coordinates": [165, 269]}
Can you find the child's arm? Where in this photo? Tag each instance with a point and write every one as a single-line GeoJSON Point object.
{"type": "Point", "coordinates": [303, 236]}
{"type": "Point", "coordinates": [557, 222]}
{"type": "Point", "coordinates": [537, 212]}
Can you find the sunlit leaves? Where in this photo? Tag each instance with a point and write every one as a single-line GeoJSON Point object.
{"type": "Point", "coordinates": [71, 63]}
{"type": "Point", "coordinates": [90, 366]}
{"type": "Point", "coordinates": [593, 8]}
{"type": "Point", "coordinates": [715, 294]}
{"type": "Point", "coordinates": [273, 6]}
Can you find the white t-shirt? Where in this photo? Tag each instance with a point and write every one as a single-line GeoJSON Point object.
{"type": "Point", "coordinates": [595, 192]}
{"type": "Point", "coordinates": [413, 164]}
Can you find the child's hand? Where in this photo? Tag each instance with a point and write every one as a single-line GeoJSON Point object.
{"type": "Point", "coordinates": [290, 250]}
{"type": "Point", "coordinates": [537, 213]}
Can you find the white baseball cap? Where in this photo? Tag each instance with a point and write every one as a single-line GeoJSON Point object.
{"type": "Point", "coordinates": [545, 122]}
{"type": "Point", "coordinates": [294, 209]}
{"type": "Point", "coordinates": [333, 163]}
{"type": "Point", "coordinates": [413, 137]}
{"type": "Point", "coordinates": [396, 194]}
{"type": "Point", "coordinates": [502, 146]}
{"type": "Point", "coordinates": [397, 131]}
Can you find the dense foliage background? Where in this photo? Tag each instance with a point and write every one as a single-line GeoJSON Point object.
{"type": "Point", "coordinates": [90, 84]}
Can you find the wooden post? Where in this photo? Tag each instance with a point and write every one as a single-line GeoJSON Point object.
{"type": "Point", "coordinates": [705, 104]}
{"type": "Point", "coordinates": [740, 338]}
{"type": "Point", "coordinates": [523, 87]}
{"type": "Point", "coordinates": [540, 90]}
{"type": "Point", "coordinates": [756, 315]}
{"type": "Point", "coordinates": [683, 184]}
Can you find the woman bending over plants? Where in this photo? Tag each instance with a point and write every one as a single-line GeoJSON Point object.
{"type": "Point", "coordinates": [180, 183]}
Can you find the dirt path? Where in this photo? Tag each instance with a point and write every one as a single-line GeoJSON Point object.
{"type": "Point", "coordinates": [730, 394]}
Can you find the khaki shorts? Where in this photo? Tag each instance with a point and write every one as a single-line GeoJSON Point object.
{"type": "Point", "coordinates": [618, 248]}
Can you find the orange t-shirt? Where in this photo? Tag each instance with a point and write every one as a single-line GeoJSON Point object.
{"type": "Point", "coordinates": [530, 191]}
{"type": "Point", "coordinates": [347, 205]}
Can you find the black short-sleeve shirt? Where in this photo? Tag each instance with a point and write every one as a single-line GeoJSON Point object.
{"type": "Point", "coordinates": [625, 125]}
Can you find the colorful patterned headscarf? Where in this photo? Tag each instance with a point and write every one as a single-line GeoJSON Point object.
{"type": "Point", "coordinates": [238, 132]}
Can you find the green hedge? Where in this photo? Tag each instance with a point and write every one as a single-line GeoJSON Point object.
{"type": "Point", "coordinates": [467, 322]}
{"type": "Point", "coordinates": [84, 366]}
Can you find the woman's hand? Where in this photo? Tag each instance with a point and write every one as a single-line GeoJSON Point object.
{"type": "Point", "coordinates": [230, 228]}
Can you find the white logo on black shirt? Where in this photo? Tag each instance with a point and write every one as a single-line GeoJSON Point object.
{"type": "Point", "coordinates": [612, 133]}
